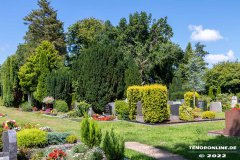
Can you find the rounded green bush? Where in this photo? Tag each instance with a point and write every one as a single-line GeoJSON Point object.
{"type": "Point", "coordinates": [122, 109]}
{"type": "Point", "coordinates": [61, 106]}
{"type": "Point", "coordinates": [80, 148]}
{"type": "Point", "coordinates": [208, 115]}
{"type": "Point", "coordinates": [71, 139]}
{"type": "Point", "coordinates": [29, 138]}
{"type": "Point", "coordinates": [186, 113]}
{"type": "Point", "coordinates": [27, 107]}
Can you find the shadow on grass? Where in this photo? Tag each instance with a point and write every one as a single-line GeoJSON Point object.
{"type": "Point", "coordinates": [184, 149]}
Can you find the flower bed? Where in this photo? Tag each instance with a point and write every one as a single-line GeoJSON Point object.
{"type": "Point", "coordinates": [10, 124]}
{"type": "Point", "coordinates": [103, 117]}
{"type": "Point", "coordinates": [2, 115]}
{"type": "Point", "coordinates": [57, 154]}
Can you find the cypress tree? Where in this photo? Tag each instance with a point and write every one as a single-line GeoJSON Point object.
{"type": "Point", "coordinates": [11, 92]}
{"type": "Point", "coordinates": [219, 90]}
{"type": "Point", "coordinates": [100, 74]}
{"type": "Point", "coordinates": [132, 75]}
{"type": "Point", "coordinates": [59, 84]}
{"type": "Point", "coordinates": [210, 93]}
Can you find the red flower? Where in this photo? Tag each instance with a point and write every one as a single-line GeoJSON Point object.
{"type": "Point", "coordinates": [57, 153]}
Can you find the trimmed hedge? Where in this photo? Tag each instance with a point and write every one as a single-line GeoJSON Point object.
{"type": "Point", "coordinates": [188, 98]}
{"type": "Point", "coordinates": [208, 115]}
{"type": "Point", "coordinates": [122, 109]}
{"type": "Point", "coordinates": [154, 102]}
{"type": "Point", "coordinates": [133, 96]}
{"type": "Point", "coordinates": [186, 113]}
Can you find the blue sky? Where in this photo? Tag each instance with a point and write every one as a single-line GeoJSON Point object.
{"type": "Point", "coordinates": [215, 23]}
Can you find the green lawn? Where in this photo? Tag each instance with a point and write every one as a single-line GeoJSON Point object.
{"type": "Point", "coordinates": [174, 138]}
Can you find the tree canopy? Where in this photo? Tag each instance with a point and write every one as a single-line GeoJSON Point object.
{"type": "Point", "coordinates": [43, 25]}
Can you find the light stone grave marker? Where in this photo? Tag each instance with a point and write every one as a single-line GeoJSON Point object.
{"type": "Point", "coordinates": [234, 101]}
{"type": "Point", "coordinates": [216, 107]}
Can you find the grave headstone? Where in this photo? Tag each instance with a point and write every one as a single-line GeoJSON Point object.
{"type": "Point", "coordinates": [170, 102]}
{"type": "Point", "coordinates": [139, 108]}
{"type": "Point", "coordinates": [10, 143]}
{"type": "Point", "coordinates": [234, 101]}
{"type": "Point", "coordinates": [182, 101]}
{"type": "Point", "coordinates": [110, 108]}
{"type": "Point", "coordinates": [201, 105]}
{"type": "Point", "coordinates": [216, 107]}
{"type": "Point", "coordinates": [90, 112]}
{"type": "Point", "coordinates": [174, 108]}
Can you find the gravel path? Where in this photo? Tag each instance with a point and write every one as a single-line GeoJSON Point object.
{"type": "Point", "coordinates": [152, 151]}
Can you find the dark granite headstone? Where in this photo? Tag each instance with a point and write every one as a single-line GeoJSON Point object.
{"type": "Point", "coordinates": [201, 105]}
{"type": "Point", "coordinates": [110, 108]}
{"type": "Point", "coordinates": [10, 143]}
{"type": "Point", "coordinates": [174, 109]}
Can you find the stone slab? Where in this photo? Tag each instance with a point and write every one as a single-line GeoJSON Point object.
{"type": "Point", "coordinates": [216, 107]}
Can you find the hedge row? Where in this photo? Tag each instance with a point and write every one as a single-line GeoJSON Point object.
{"type": "Point", "coordinates": [154, 102]}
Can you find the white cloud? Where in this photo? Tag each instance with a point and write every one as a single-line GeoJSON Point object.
{"type": "Point", "coordinates": [216, 58]}
{"type": "Point", "coordinates": [200, 34]}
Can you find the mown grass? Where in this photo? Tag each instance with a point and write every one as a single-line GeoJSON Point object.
{"type": "Point", "coordinates": [174, 138]}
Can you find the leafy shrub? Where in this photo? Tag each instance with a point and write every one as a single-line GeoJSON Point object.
{"type": "Point", "coordinates": [186, 113]}
{"type": "Point", "coordinates": [82, 108]}
{"type": "Point", "coordinates": [72, 114]}
{"type": "Point", "coordinates": [80, 148]}
{"type": "Point", "coordinates": [122, 109]}
{"type": "Point", "coordinates": [31, 138]}
{"type": "Point", "coordinates": [208, 115]}
{"type": "Point", "coordinates": [168, 113]}
{"type": "Point", "coordinates": [133, 96]}
{"type": "Point", "coordinates": [154, 103]}
{"type": "Point", "coordinates": [37, 155]}
{"type": "Point", "coordinates": [61, 106]}
{"type": "Point", "coordinates": [94, 154]}
{"type": "Point", "coordinates": [188, 98]}
{"type": "Point", "coordinates": [197, 112]}
{"type": "Point", "coordinates": [23, 153]}
{"type": "Point", "coordinates": [56, 137]}
{"type": "Point", "coordinates": [71, 139]}
{"type": "Point", "coordinates": [237, 106]}
{"type": "Point", "coordinates": [90, 133]}
{"type": "Point", "coordinates": [113, 146]}
{"type": "Point", "coordinates": [27, 107]}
